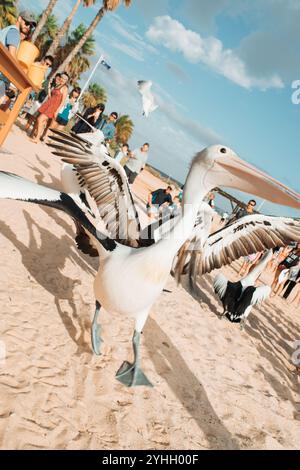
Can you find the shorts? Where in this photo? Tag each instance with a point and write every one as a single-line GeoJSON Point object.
{"type": "Point", "coordinates": [61, 121]}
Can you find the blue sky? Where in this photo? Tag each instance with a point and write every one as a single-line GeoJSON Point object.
{"type": "Point", "coordinates": [221, 72]}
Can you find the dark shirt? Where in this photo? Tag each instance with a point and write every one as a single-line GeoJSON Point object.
{"type": "Point", "coordinates": [81, 127]}
{"type": "Point", "coordinates": [160, 196]}
{"type": "Point", "coordinates": [291, 260]}
{"type": "Point", "coordinates": [242, 212]}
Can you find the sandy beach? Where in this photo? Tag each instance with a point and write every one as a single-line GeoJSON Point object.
{"type": "Point", "coordinates": [215, 386]}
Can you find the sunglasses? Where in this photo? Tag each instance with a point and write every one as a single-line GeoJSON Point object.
{"type": "Point", "coordinates": [252, 205]}
{"type": "Point", "coordinates": [29, 24]}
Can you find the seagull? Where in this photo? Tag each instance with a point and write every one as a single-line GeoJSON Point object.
{"type": "Point", "coordinates": [149, 105]}
{"type": "Point", "coordinates": [131, 276]}
{"type": "Point", "coordinates": [238, 298]}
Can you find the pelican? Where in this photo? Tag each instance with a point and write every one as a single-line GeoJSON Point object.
{"type": "Point", "coordinates": [238, 298]}
{"type": "Point", "coordinates": [72, 183]}
{"type": "Point", "coordinates": [131, 276]}
{"type": "Point", "coordinates": [149, 105]}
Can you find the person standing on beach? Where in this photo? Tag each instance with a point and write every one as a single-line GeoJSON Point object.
{"type": "Point", "coordinates": [93, 116]}
{"type": "Point", "coordinates": [50, 107]}
{"type": "Point", "coordinates": [137, 162]}
{"type": "Point", "coordinates": [158, 198]}
{"type": "Point", "coordinates": [242, 212]}
{"type": "Point", "coordinates": [11, 36]}
{"type": "Point", "coordinates": [122, 156]}
{"type": "Point", "coordinates": [108, 126]}
{"type": "Point", "coordinates": [68, 110]}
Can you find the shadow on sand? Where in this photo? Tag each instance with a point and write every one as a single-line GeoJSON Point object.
{"type": "Point", "coordinates": [39, 262]}
{"type": "Point", "coordinates": [169, 364]}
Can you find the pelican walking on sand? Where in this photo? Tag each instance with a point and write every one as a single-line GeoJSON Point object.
{"type": "Point", "coordinates": [131, 276]}
{"type": "Point", "coordinates": [239, 297]}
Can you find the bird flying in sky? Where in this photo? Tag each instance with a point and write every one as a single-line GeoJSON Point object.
{"type": "Point", "coordinates": [149, 105]}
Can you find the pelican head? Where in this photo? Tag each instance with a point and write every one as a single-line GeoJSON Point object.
{"type": "Point", "coordinates": [220, 166]}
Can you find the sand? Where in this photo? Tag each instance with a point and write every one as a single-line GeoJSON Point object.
{"type": "Point", "coordinates": [214, 385]}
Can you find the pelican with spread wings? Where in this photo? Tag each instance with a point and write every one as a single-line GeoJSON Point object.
{"type": "Point", "coordinates": [131, 276]}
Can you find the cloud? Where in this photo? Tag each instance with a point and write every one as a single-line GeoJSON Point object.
{"type": "Point", "coordinates": [176, 70]}
{"type": "Point", "coordinates": [202, 13]}
{"type": "Point", "coordinates": [276, 44]}
{"type": "Point", "coordinates": [210, 51]}
{"type": "Point", "coordinates": [126, 49]}
{"type": "Point", "coordinates": [134, 45]}
{"type": "Point", "coordinates": [174, 137]}
{"type": "Point", "coordinates": [151, 8]}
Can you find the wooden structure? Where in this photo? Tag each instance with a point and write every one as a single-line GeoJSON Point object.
{"type": "Point", "coordinates": [12, 70]}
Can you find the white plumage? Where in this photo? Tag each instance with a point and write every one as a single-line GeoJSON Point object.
{"type": "Point", "coordinates": [130, 279]}
{"type": "Point", "coordinates": [149, 105]}
{"type": "Point", "coordinates": [239, 297]}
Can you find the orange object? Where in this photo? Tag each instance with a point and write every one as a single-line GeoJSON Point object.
{"type": "Point", "coordinates": [36, 73]}
{"type": "Point", "coordinates": [12, 70]}
{"type": "Point", "coordinates": [27, 54]}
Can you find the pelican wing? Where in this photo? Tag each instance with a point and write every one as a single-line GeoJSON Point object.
{"type": "Point", "coordinates": [106, 182]}
{"type": "Point", "coordinates": [261, 294]}
{"type": "Point", "coordinates": [250, 234]}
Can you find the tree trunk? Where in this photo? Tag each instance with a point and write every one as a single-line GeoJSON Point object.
{"type": "Point", "coordinates": [80, 44]}
{"type": "Point", "coordinates": [43, 19]}
{"type": "Point", "coordinates": [60, 34]}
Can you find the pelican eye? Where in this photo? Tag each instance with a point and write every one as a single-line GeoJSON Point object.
{"type": "Point", "coordinates": [223, 150]}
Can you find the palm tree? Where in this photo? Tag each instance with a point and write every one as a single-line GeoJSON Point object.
{"type": "Point", "coordinates": [107, 5]}
{"type": "Point", "coordinates": [124, 129]}
{"type": "Point", "coordinates": [80, 63]}
{"type": "Point", "coordinates": [8, 13]}
{"type": "Point", "coordinates": [47, 34]}
{"type": "Point", "coordinates": [64, 29]}
{"type": "Point", "coordinates": [78, 66]}
{"type": "Point", "coordinates": [43, 19]}
{"type": "Point", "coordinates": [94, 94]}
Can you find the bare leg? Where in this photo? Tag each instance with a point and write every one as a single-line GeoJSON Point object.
{"type": "Point", "coordinates": [41, 123]}
{"type": "Point", "coordinates": [242, 270]}
{"type": "Point", "coordinates": [53, 125]}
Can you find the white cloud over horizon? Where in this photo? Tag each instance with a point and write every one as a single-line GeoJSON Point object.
{"type": "Point", "coordinates": [174, 138]}
{"type": "Point", "coordinates": [210, 51]}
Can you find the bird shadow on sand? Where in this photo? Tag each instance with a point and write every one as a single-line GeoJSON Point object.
{"type": "Point", "coordinates": [272, 343]}
{"type": "Point", "coordinates": [54, 214]}
{"type": "Point", "coordinates": [45, 268]}
{"type": "Point", "coordinates": [201, 293]}
{"type": "Point", "coordinates": [170, 365]}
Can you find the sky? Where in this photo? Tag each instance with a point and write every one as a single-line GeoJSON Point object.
{"type": "Point", "coordinates": [222, 72]}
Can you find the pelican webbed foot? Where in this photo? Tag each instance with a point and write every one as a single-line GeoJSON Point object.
{"type": "Point", "coordinates": [130, 374]}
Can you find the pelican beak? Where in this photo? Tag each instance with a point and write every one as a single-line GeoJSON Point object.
{"type": "Point", "coordinates": [233, 172]}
